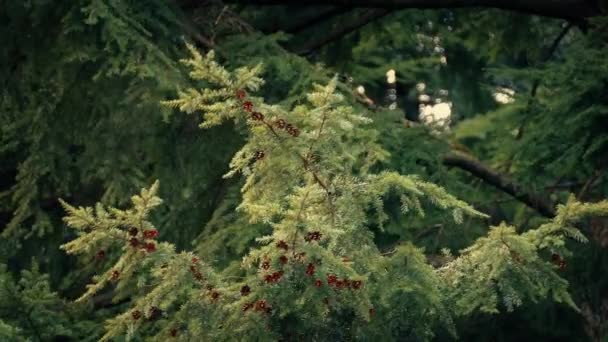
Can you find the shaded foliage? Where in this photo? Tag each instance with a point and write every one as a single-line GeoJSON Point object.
{"type": "Point", "coordinates": [80, 119]}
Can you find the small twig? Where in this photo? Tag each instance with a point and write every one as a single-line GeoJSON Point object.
{"type": "Point", "coordinates": [550, 53]}
{"type": "Point", "coordinates": [318, 18]}
{"type": "Point", "coordinates": [597, 175]}
{"type": "Point", "coordinates": [197, 36]}
{"type": "Point", "coordinates": [298, 218]}
{"type": "Point", "coordinates": [304, 160]}
{"type": "Point", "coordinates": [343, 30]}
{"type": "Point", "coordinates": [217, 21]}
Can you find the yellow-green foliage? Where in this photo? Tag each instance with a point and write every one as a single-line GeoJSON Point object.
{"type": "Point", "coordinates": [158, 277]}
{"type": "Point", "coordinates": [505, 267]}
{"type": "Point", "coordinates": [312, 178]}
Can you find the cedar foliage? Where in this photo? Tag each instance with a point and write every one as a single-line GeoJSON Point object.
{"type": "Point", "coordinates": [318, 274]}
{"type": "Point", "coordinates": [79, 120]}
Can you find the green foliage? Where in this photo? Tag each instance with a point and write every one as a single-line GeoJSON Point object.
{"type": "Point", "coordinates": [312, 185]}
{"type": "Point", "coordinates": [558, 130]}
{"type": "Point", "coordinates": [413, 305]}
{"type": "Point", "coordinates": [290, 75]}
{"type": "Point", "coordinates": [506, 268]}
{"type": "Point", "coordinates": [80, 120]}
{"type": "Point", "coordinates": [31, 311]}
{"type": "Point", "coordinates": [160, 280]}
{"type": "Point", "coordinates": [120, 60]}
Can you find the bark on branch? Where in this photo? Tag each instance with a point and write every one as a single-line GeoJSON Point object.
{"type": "Point", "coordinates": [319, 17]}
{"type": "Point", "coordinates": [574, 10]}
{"type": "Point", "coordinates": [478, 169]}
{"type": "Point", "coordinates": [341, 31]}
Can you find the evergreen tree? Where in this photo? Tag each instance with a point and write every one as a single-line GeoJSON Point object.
{"type": "Point", "coordinates": [80, 120]}
{"type": "Point", "coordinates": [318, 274]}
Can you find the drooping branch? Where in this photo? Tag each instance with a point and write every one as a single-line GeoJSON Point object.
{"type": "Point", "coordinates": [575, 10]}
{"type": "Point", "coordinates": [550, 51]}
{"type": "Point", "coordinates": [342, 30]}
{"type": "Point", "coordinates": [311, 21]}
{"type": "Point", "coordinates": [452, 159]}
{"type": "Point", "coordinates": [475, 167]}
{"type": "Point", "coordinates": [478, 169]}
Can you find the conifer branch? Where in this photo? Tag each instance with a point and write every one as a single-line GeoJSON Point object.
{"type": "Point", "coordinates": [597, 174]}
{"type": "Point", "coordinates": [319, 17]}
{"type": "Point", "coordinates": [302, 158]}
{"type": "Point", "coordinates": [298, 218]}
{"type": "Point", "coordinates": [572, 10]}
{"type": "Point", "coordinates": [469, 163]}
{"type": "Point", "coordinates": [337, 251]}
{"type": "Point", "coordinates": [476, 168]}
{"type": "Point", "coordinates": [550, 51]}
{"type": "Point", "coordinates": [341, 31]}
{"type": "Point", "coordinates": [19, 306]}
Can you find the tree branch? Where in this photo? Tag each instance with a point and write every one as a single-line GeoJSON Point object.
{"type": "Point", "coordinates": [475, 167]}
{"type": "Point", "coordinates": [320, 16]}
{"type": "Point", "coordinates": [342, 31]}
{"type": "Point", "coordinates": [565, 9]}
{"type": "Point", "coordinates": [550, 53]}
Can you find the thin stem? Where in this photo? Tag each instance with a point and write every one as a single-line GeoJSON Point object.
{"type": "Point", "coordinates": [304, 159]}
{"type": "Point", "coordinates": [298, 218]}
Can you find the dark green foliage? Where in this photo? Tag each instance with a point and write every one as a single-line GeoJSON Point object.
{"type": "Point", "coordinates": [30, 310]}
{"type": "Point", "coordinates": [80, 120]}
